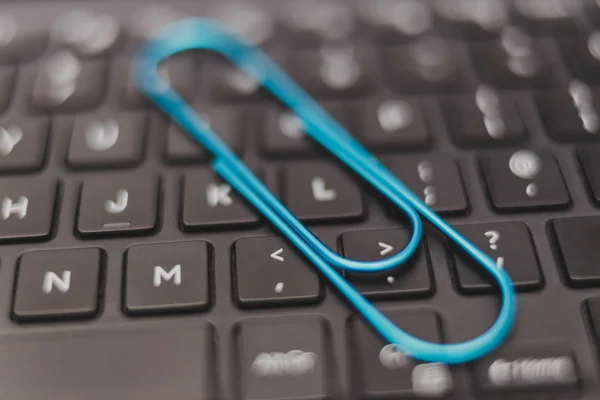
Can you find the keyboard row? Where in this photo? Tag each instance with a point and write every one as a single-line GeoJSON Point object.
{"type": "Point", "coordinates": [176, 277]}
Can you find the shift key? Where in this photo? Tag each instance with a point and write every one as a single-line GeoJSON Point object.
{"type": "Point", "coordinates": [532, 368]}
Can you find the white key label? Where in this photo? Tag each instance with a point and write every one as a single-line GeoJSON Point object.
{"type": "Point", "coordinates": [320, 192]}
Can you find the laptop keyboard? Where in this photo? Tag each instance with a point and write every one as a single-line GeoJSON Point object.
{"type": "Point", "coordinates": [129, 270]}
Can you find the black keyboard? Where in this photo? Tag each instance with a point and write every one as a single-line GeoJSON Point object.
{"type": "Point", "coordinates": [129, 270]}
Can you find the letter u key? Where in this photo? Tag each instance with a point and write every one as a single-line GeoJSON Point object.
{"type": "Point", "coordinates": [207, 34]}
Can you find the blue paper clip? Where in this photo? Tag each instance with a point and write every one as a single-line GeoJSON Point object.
{"type": "Point", "coordinates": [206, 34]}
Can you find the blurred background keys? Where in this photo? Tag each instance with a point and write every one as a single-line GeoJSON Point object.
{"type": "Point", "coordinates": [488, 118]}
{"type": "Point", "coordinates": [548, 17]}
{"type": "Point", "coordinates": [426, 65]}
{"type": "Point", "coordinates": [20, 40]}
{"type": "Point", "coordinates": [582, 56]}
{"type": "Point", "coordinates": [471, 19]}
{"type": "Point", "coordinates": [390, 21]}
{"type": "Point", "coordinates": [340, 69]}
{"type": "Point", "coordinates": [570, 114]}
{"type": "Point", "coordinates": [524, 180]}
{"type": "Point", "coordinates": [515, 60]}
{"type": "Point", "coordinates": [283, 358]}
{"type": "Point", "coordinates": [64, 82]}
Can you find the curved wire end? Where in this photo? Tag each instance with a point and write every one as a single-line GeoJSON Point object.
{"type": "Point", "coordinates": [206, 34]}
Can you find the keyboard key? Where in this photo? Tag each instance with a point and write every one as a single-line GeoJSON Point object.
{"type": "Point", "coordinates": [129, 362]}
{"type": "Point", "coordinates": [270, 272]}
{"type": "Point", "coordinates": [86, 32]}
{"type": "Point", "coordinates": [513, 61]}
{"type": "Point", "coordinates": [116, 141]}
{"type": "Point", "coordinates": [58, 284]}
{"type": "Point", "coordinates": [582, 56]}
{"type": "Point", "coordinates": [284, 358]}
{"type": "Point", "coordinates": [340, 69]}
{"type": "Point", "coordinates": [7, 80]}
{"type": "Point", "coordinates": [167, 277]}
{"type": "Point", "coordinates": [570, 115]}
{"type": "Point", "coordinates": [65, 83]}
{"type": "Point", "coordinates": [486, 119]}
{"type": "Point", "coordinates": [589, 158]}
{"type": "Point", "coordinates": [313, 22]}
{"type": "Point", "coordinates": [593, 313]}
{"type": "Point", "coordinates": [26, 208]}
{"type": "Point", "coordinates": [540, 369]}
{"type": "Point", "coordinates": [524, 180]}
{"type": "Point", "coordinates": [284, 134]}
{"type": "Point", "coordinates": [472, 19]}
{"type": "Point", "coordinates": [436, 180]}
{"type": "Point", "coordinates": [180, 70]}
{"type": "Point", "coordinates": [427, 65]}
{"type": "Point", "coordinates": [229, 84]}
{"type": "Point", "coordinates": [380, 371]}
{"type": "Point", "coordinates": [209, 202]}
{"type": "Point", "coordinates": [390, 21]}
{"type": "Point", "coordinates": [317, 191]}
{"type": "Point", "coordinates": [111, 205]}
{"type": "Point", "coordinates": [510, 244]}
{"type": "Point", "coordinates": [577, 244]}
{"type": "Point", "coordinates": [225, 121]}
{"type": "Point", "coordinates": [23, 144]}
{"type": "Point", "coordinates": [251, 21]}
{"type": "Point", "coordinates": [413, 279]}
{"type": "Point", "coordinates": [549, 17]}
{"type": "Point", "coordinates": [24, 41]}
{"type": "Point", "coordinates": [394, 123]}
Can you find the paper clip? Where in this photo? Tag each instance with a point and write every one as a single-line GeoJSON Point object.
{"type": "Point", "coordinates": [207, 34]}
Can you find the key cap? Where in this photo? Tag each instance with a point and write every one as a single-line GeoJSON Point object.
{"type": "Point", "coordinates": [313, 22]}
{"type": "Point", "coordinates": [578, 252]}
{"type": "Point", "coordinates": [317, 191]}
{"type": "Point", "coordinates": [335, 69]}
{"type": "Point", "coordinates": [284, 134]}
{"type": "Point", "coordinates": [510, 245]}
{"type": "Point", "coordinates": [167, 278]}
{"type": "Point", "coordinates": [256, 24]}
{"type": "Point", "coordinates": [23, 144]}
{"type": "Point", "coordinates": [269, 272]}
{"type": "Point", "coordinates": [284, 358]}
{"type": "Point", "coordinates": [590, 163]}
{"type": "Point", "coordinates": [394, 123]}
{"type": "Point", "coordinates": [86, 32]}
{"type": "Point", "coordinates": [129, 362]}
{"type": "Point", "coordinates": [26, 208]}
{"type": "Point", "coordinates": [543, 369]}
{"type": "Point", "coordinates": [180, 70]}
{"type": "Point", "coordinates": [570, 115]}
{"type": "Point", "coordinates": [229, 84]}
{"type": "Point", "coordinates": [582, 56]}
{"type": "Point", "coordinates": [427, 65]}
{"type": "Point", "coordinates": [524, 180]}
{"type": "Point", "coordinates": [486, 119]}
{"type": "Point", "coordinates": [209, 202]}
{"type": "Point", "coordinates": [111, 205]}
{"type": "Point", "coordinates": [413, 279]}
{"type": "Point", "coordinates": [513, 61]}
{"type": "Point", "coordinates": [225, 121]}
{"type": "Point", "coordinates": [22, 41]}
{"type": "Point", "coordinates": [549, 17]}
{"type": "Point", "coordinates": [380, 371]}
{"type": "Point", "coordinates": [471, 19]}
{"type": "Point", "coordinates": [112, 141]}
{"type": "Point", "coordinates": [57, 284]}
{"type": "Point", "coordinates": [592, 310]}
{"type": "Point", "coordinates": [64, 83]}
{"type": "Point", "coordinates": [7, 79]}
{"type": "Point", "coordinates": [436, 180]}
{"type": "Point", "coordinates": [390, 21]}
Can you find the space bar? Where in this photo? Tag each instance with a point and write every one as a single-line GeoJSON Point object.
{"type": "Point", "coordinates": [151, 363]}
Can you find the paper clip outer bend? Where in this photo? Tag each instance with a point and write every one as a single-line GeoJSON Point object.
{"type": "Point", "coordinates": [207, 34]}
